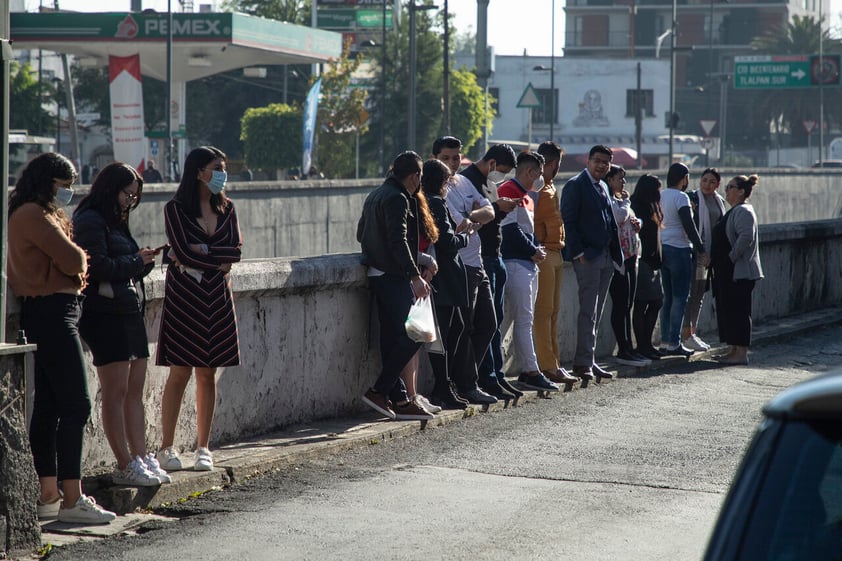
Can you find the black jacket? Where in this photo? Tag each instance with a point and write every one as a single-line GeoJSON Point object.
{"type": "Point", "coordinates": [388, 230]}
{"type": "Point", "coordinates": [115, 269]}
{"type": "Point", "coordinates": [450, 282]}
{"type": "Point", "coordinates": [490, 234]}
{"type": "Point", "coordinates": [650, 238]}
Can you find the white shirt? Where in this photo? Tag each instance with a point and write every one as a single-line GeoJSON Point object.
{"type": "Point", "coordinates": [673, 233]}
{"type": "Point", "coordinates": [460, 200]}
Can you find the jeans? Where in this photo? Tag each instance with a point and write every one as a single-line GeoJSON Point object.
{"type": "Point", "coordinates": [521, 291]}
{"type": "Point", "coordinates": [594, 278]}
{"type": "Point", "coordinates": [676, 274]}
{"type": "Point", "coordinates": [394, 298]}
{"type": "Point", "coordinates": [62, 404]}
{"type": "Point", "coordinates": [492, 362]}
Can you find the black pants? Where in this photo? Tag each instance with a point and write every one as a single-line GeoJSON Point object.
{"type": "Point", "coordinates": [480, 324]}
{"type": "Point", "coordinates": [644, 319]}
{"type": "Point", "coordinates": [451, 329]}
{"type": "Point", "coordinates": [733, 311]}
{"type": "Point", "coordinates": [62, 404]}
{"type": "Point", "coordinates": [394, 298]}
{"type": "Point", "coordinates": [622, 292]}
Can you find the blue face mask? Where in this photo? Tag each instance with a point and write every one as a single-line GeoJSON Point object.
{"type": "Point", "coordinates": [63, 196]}
{"type": "Point", "coordinates": [217, 181]}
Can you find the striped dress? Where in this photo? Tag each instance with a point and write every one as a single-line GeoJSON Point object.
{"type": "Point", "coordinates": [199, 322]}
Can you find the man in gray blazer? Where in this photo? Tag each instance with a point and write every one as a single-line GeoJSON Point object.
{"type": "Point", "coordinates": [593, 246]}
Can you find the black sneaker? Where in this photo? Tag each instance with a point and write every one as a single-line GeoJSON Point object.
{"type": "Point", "coordinates": [537, 382]}
{"type": "Point", "coordinates": [651, 353]}
{"type": "Point", "coordinates": [493, 387]}
{"type": "Point", "coordinates": [508, 387]}
{"type": "Point", "coordinates": [477, 397]}
{"type": "Point", "coordinates": [446, 399]}
{"type": "Point", "coordinates": [629, 359]}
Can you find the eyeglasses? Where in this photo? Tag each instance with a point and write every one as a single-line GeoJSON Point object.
{"type": "Point", "coordinates": [130, 197]}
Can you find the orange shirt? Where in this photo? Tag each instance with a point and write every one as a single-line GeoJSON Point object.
{"type": "Point", "coordinates": [549, 226]}
{"type": "Point", "coordinates": [42, 259]}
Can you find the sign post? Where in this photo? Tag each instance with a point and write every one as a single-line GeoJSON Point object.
{"type": "Point", "coordinates": [809, 126]}
{"type": "Point", "coordinates": [529, 100]}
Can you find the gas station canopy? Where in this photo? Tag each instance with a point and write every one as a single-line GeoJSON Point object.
{"type": "Point", "coordinates": [203, 44]}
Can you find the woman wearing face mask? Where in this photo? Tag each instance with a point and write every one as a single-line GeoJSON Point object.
{"type": "Point", "coordinates": [521, 255]}
{"type": "Point", "coordinates": [47, 270]}
{"type": "Point", "coordinates": [198, 322]}
{"type": "Point", "coordinates": [112, 322]}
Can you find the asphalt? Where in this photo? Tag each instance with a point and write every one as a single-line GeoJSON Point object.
{"type": "Point", "coordinates": [240, 461]}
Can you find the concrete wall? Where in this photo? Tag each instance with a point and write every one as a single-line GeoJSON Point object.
{"type": "Point", "coordinates": [306, 350]}
{"type": "Point", "coordinates": [309, 218]}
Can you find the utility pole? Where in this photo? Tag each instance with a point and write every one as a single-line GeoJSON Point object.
{"type": "Point", "coordinates": [447, 70]}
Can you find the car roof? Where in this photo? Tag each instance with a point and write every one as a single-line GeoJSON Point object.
{"type": "Point", "coordinates": [819, 397]}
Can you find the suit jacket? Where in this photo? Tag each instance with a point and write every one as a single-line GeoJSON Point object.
{"type": "Point", "coordinates": [450, 283]}
{"type": "Point", "coordinates": [742, 230]}
{"type": "Point", "coordinates": [589, 222]}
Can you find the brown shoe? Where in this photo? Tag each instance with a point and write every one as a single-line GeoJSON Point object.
{"type": "Point", "coordinates": [560, 376]}
{"type": "Point", "coordinates": [583, 372]}
{"type": "Point", "coordinates": [411, 411]}
{"type": "Point", "coordinates": [379, 403]}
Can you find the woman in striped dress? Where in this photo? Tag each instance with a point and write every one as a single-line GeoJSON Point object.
{"type": "Point", "coordinates": [198, 323]}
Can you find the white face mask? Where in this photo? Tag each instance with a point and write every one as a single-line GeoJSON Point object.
{"type": "Point", "coordinates": [63, 196]}
{"type": "Point", "coordinates": [496, 177]}
{"type": "Point", "coordinates": [538, 184]}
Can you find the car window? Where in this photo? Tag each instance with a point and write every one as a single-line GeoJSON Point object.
{"type": "Point", "coordinates": [798, 512]}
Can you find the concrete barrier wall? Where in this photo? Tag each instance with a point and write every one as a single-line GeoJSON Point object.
{"type": "Point", "coordinates": [306, 350]}
{"type": "Point", "coordinates": [309, 218]}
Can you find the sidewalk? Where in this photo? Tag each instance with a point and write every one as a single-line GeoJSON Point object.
{"type": "Point", "coordinates": [240, 461]}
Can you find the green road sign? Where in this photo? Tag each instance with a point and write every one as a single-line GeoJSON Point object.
{"type": "Point", "coordinates": [785, 71]}
{"type": "Point", "coordinates": [351, 18]}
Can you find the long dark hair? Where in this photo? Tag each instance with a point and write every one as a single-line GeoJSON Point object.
{"type": "Point", "coordinates": [646, 199]}
{"type": "Point", "coordinates": [105, 193]}
{"type": "Point", "coordinates": [188, 189]}
{"type": "Point", "coordinates": [434, 178]}
{"type": "Point", "coordinates": [36, 185]}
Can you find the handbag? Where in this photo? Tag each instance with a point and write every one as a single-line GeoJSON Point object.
{"type": "Point", "coordinates": [420, 323]}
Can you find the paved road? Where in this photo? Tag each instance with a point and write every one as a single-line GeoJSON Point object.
{"type": "Point", "coordinates": [632, 469]}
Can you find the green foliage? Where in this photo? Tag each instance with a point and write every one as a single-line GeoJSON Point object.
{"type": "Point", "coordinates": [25, 100]}
{"type": "Point", "coordinates": [272, 136]}
{"type": "Point", "coordinates": [467, 108]}
{"type": "Point", "coordinates": [785, 110]}
{"type": "Point", "coordinates": [341, 110]}
{"type": "Point", "coordinates": [292, 11]}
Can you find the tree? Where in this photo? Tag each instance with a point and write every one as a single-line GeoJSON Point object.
{"type": "Point", "coordinates": [26, 100]}
{"type": "Point", "coordinates": [271, 136]}
{"type": "Point", "coordinates": [785, 110]}
{"type": "Point", "coordinates": [340, 117]}
{"type": "Point", "coordinates": [467, 108]}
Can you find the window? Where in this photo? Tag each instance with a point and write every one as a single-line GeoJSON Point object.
{"type": "Point", "coordinates": [541, 115]}
{"type": "Point", "coordinates": [646, 100]}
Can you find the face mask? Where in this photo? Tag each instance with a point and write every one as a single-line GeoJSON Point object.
{"type": "Point", "coordinates": [496, 176]}
{"type": "Point", "coordinates": [63, 196]}
{"type": "Point", "coordinates": [538, 184]}
{"type": "Point", "coordinates": [217, 181]}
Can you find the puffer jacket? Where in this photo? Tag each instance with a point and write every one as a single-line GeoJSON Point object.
{"type": "Point", "coordinates": [115, 268]}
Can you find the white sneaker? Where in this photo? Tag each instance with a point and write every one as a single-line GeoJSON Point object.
{"type": "Point", "coordinates": [425, 403]}
{"type": "Point", "coordinates": [153, 466]}
{"type": "Point", "coordinates": [168, 459]}
{"type": "Point", "coordinates": [693, 342]}
{"type": "Point", "coordinates": [204, 460]}
{"type": "Point", "coordinates": [135, 474]}
{"type": "Point", "coordinates": [48, 511]}
{"type": "Point", "coordinates": [85, 511]}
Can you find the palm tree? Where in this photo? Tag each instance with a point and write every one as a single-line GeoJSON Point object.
{"type": "Point", "coordinates": [785, 110]}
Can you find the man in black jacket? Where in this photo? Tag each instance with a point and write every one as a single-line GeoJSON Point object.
{"type": "Point", "coordinates": [388, 234]}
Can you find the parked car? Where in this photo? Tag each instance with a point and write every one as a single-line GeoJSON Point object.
{"type": "Point", "coordinates": [785, 503]}
{"type": "Point", "coordinates": [828, 164]}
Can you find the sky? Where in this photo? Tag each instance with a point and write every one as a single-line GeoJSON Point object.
{"type": "Point", "coordinates": [507, 19]}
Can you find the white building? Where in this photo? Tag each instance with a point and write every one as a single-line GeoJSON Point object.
{"type": "Point", "coordinates": [595, 104]}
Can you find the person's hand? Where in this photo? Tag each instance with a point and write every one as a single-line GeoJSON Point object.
{"type": "Point", "coordinates": [635, 224]}
{"type": "Point", "coordinates": [427, 274]}
{"type": "Point", "coordinates": [147, 255]}
{"type": "Point", "coordinates": [539, 255]}
{"type": "Point", "coordinates": [420, 288]}
{"type": "Point", "coordinates": [463, 226]}
{"type": "Point", "coordinates": [225, 267]}
{"type": "Point", "coordinates": [624, 194]}
{"type": "Point", "coordinates": [173, 259]}
{"type": "Point", "coordinates": [507, 204]}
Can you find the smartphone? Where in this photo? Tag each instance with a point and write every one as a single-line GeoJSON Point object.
{"type": "Point", "coordinates": [161, 248]}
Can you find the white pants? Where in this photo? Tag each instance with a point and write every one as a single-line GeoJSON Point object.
{"type": "Point", "coordinates": [521, 292]}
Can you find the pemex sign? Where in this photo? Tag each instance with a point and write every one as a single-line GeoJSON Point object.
{"type": "Point", "coordinates": [785, 71]}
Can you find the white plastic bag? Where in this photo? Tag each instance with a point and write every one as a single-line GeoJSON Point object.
{"type": "Point", "coordinates": [420, 324]}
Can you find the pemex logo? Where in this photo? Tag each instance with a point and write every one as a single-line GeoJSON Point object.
{"type": "Point", "coordinates": [127, 29]}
